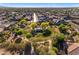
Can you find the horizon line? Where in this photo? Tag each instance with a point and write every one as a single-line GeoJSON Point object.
{"type": "Point", "coordinates": [38, 5]}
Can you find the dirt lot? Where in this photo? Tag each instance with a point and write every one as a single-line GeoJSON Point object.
{"type": "Point", "coordinates": [4, 52]}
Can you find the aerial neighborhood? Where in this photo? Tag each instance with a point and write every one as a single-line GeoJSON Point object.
{"type": "Point", "coordinates": [39, 31]}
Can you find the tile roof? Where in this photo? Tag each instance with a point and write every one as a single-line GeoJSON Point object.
{"type": "Point", "coordinates": [73, 49]}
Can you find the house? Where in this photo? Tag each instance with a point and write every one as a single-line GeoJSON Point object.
{"type": "Point", "coordinates": [37, 30]}
{"type": "Point", "coordinates": [1, 29]}
{"type": "Point", "coordinates": [58, 22]}
{"type": "Point", "coordinates": [73, 49]}
{"type": "Point", "coordinates": [67, 17]}
{"type": "Point", "coordinates": [55, 20]}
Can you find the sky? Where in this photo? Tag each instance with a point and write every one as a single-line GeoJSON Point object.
{"type": "Point", "coordinates": [39, 4]}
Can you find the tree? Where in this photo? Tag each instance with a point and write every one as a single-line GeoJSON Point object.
{"type": "Point", "coordinates": [46, 32]}
{"type": "Point", "coordinates": [28, 35]}
{"type": "Point", "coordinates": [2, 40]}
{"type": "Point", "coordinates": [23, 21]}
{"type": "Point", "coordinates": [55, 49]}
{"type": "Point", "coordinates": [44, 24]}
{"type": "Point", "coordinates": [60, 42]}
{"type": "Point", "coordinates": [61, 37]}
{"type": "Point", "coordinates": [33, 25]}
{"type": "Point", "coordinates": [52, 52]}
{"type": "Point", "coordinates": [18, 31]}
{"type": "Point", "coordinates": [62, 28]}
{"type": "Point", "coordinates": [6, 34]}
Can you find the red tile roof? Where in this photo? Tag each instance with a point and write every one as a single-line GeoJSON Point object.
{"type": "Point", "coordinates": [73, 47]}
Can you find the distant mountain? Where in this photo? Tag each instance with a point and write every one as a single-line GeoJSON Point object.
{"type": "Point", "coordinates": [2, 7]}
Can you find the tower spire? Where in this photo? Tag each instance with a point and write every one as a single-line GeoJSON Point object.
{"type": "Point", "coordinates": [35, 17]}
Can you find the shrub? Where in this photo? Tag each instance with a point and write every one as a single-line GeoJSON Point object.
{"type": "Point", "coordinates": [42, 50]}
{"type": "Point", "coordinates": [23, 21]}
{"type": "Point", "coordinates": [46, 32]}
{"type": "Point", "coordinates": [2, 40]}
{"type": "Point", "coordinates": [33, 25]}
{"type": "Point", "coordinates": [18, 40]}
{"type": "Point", "coordinates": [61, 37]}
{"type": "Point", "coordinates": [77, 33]}
{"type": "Point", "coordinates": [38, 39]}
{"type": "Point", "coordinates": [55, 44]}
{"type": "Point", "coordinates": [55, 49]}
{"type": "Point", "coordinates": [19, 31]}
{"type": "Point", "coordinates": [11, 47]}
{"type": "Point", "coordinates": [52, 52]}
{"type": "Point", "coordinates": [62, 28]}
{"type": "Point", "coordinates": [28, 35]}
{"type": "Point", "coordinates": [39, 34]}
{"type": "Point", "coordinates": [44, 24]}
{"type": "Point", "coordinates": [6, 44]}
